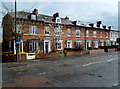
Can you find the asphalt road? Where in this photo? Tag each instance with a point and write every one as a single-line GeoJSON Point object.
{"type": "Point", "coordinates": [91, 70]}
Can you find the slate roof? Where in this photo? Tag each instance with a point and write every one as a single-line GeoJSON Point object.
{"type": "Point", "coordinates": [40, 17]}
{"type": "Point", "coordinates": [49, 19]}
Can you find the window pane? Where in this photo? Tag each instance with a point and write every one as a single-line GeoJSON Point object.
{"type": "Point", "coordinates": [77, 32]}
{"type": "Point", "coordinates": [69, 31]}
{"type": "Point", "coordinates": [33, 17]}
{"type": "Point", "coordinates": [19, 28]}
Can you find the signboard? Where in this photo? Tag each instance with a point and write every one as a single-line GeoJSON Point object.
{"type": "Point", "coordinates": [18, 42]}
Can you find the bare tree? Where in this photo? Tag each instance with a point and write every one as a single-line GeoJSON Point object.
{"type": "Point", "coordinates": [18, 25]}
{"type": "Point", "coordinates": [56, 35]}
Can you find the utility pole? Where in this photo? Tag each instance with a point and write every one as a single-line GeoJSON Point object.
{"type": "Point", "coordinates": [16, 32]}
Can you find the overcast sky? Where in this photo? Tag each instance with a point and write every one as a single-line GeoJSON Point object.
{"type": "Point", "coordinates": [86, 11]}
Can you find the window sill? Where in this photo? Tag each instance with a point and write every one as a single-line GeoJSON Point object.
{"type": "Point", "coordinates": [33, 34]}
{"type": "Point", "coordinates": [77, 36]}
{"type": "Point", "coordinates": [58, 49]}
{"type": "Point", "coordinates": [68, 35]}
{"type": "Point", "coordinates": [47, 34]}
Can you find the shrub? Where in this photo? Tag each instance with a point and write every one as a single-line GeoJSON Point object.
{"type": "Point", "coordinates": [62, 54]}
{"type": "Point", "coordinates": [52, 51]}
{"type": "Point", "coordinates": [8, 52]}
{"type": "Point", "coordinates": [22, 53]}
{"type": "Point", "coordinates": [107, 47]}
{"type": "Point", "coordinates": [90, 48]}
{"type": "Point", "coordinates": [73, 49]}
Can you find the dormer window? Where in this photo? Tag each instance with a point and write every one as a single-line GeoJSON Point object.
{"type": "Point", "coordinates": [58, 20]}
{"type": "Point", "coordinates": [33, 17]}
{"type": "Point", "coordinates": [77, 22]}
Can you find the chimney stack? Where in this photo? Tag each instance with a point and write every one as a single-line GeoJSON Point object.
{"type": "Point", "coordinates": [66, 18]}
{"type": "Point", "coordinates": [99, 22]}
{"type": "Point", "coordinates": [109, 27]}
{"type": "Point", "coordinates": [104, 27]}
{"type": "Point", "coordinates": [35, 11]}
{"type": "Point", "coordinates": [56, 15]}
{"type": "Point", "coordinates": [91, 24]}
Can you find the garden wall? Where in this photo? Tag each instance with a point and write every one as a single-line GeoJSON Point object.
{"type": "Point", "coordinates": [96, 51]}
{"type": "Point", "coordinates": [75, 53]}
{"type": "Point", "coordinates": [111, 50]}
{"type": "Point", "coordinates": [12, 58]}
{"type": "Point", "coordinates": [46, 55]}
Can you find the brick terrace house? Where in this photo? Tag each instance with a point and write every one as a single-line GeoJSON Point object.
{"type": "Point", "coordinates": [47, 33]}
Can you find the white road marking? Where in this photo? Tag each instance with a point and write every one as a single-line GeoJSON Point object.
{"type": "Point", "coordinates": [110, 60]}
{"type": "Point", "coordinates": [116, 83]}
{"type": "Point", "coordinates": [77, 66]}
{"type": "Point", "coordinates": [97, 62]}
{"type": "Point", "coordinates": [42, 73]}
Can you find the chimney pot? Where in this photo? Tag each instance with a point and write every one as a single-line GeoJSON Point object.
{"type": "Point", "coordinates": [56, 15]}
{"type": "Point", "coordinates": [66, 18]}
{"type": "Point", "coordinates": [99, 22]}
{"type": "Point", "coordinates": [35, 11]}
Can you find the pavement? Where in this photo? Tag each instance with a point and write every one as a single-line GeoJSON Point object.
{"type": "Point", "coordinates": [90, 70]}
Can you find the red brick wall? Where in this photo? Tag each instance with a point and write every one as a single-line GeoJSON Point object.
{"type": "Point", "coordinates": [41, 25]}
{"type": "Point", "coordinates": [65, 37]}
{"type": "Point", "coordinates": [12, 58]}
{"type": "Point", "coordinates": [75, 53]}
{"type": "Point", "coordinates": [112, 49]}
{"type": "Point", "coordinates": [96, 51]}
{"type": "Point", "coordinates": [46, 55]}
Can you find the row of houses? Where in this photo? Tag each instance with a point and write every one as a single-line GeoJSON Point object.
{"type": "Point", "coordinates": [41, 33]}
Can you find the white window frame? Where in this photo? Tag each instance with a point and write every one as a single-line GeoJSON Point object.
{"type": "Point", "coordinates": [58, 31]}
{"type": "Point", "coordinates": [106, 34]}
{"type": "Point", "coordinates": [101, 41]}
{"type": "Point", "coordinates": [116, 34]}
{"type": "Point", "coordinates": [33, 30]}
{"type": "Point", "coordinates": [79, 33]}
{"type": "Point", "coordinates": [58, 20]}
{"type": "Point", "coordinates": [69, 41]}
{"type": "Point", "coordinates": [87, 33]}
{"type": "Point", "coordinates": [107, 42]}
{"type": "Point", "coordinates": [34, 45]}
{"type": "Point", "coordinates": [78, 43]}
{"type": "Point", "coordinates": [47, 29]}
{"type": "Point", "coordinates": [19, 28]}
{"type": "Point", "coordinates": [95, 44]}
{"type": "Point", "coordinates": [111, 34]}
{"type": "Point", "coordinates": [101, 33]}
{"type": "Point", "coordinates": [68, 32]}
{"type": "Point", "coordinates": [94, 33]}
{"type": "Point", "coordinates": [33, 17]}
{"type": "Point", "coordinates": [57, 46]}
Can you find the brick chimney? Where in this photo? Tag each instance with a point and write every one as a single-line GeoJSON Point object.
{"type": "Point", "coordinates": [66, 18]}
{"type": "Point", "coordinates": [35, 11]}
{"type": "Point", "coordinates": [56, 15]}
{"type": "Point", "coordinates": [99, 22]}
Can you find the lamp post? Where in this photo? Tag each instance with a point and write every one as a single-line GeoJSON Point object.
{"type": "Point", "coordinates": [16, 32]}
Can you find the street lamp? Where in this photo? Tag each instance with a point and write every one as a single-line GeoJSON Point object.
{"type": "Point", "coordinates": [16, 31]}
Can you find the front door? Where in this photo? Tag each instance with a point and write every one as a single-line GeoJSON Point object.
{"type": "Point", "coordinates": [46, 47]}
{"type": "Point", "coordinates": [87, 45]}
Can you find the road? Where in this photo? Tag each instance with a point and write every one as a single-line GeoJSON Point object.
{"type": "Point", "coordinates": [90, 70]}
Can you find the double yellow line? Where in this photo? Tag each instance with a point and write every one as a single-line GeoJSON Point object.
{"type": "Point", "coordinates": [40, 64]}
